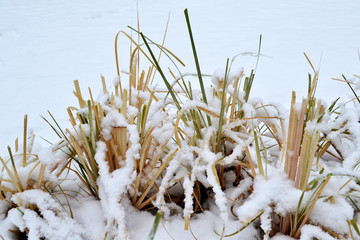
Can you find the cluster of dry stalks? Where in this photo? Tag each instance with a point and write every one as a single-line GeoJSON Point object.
{"type": "Point", "coordinates": [192, 148]}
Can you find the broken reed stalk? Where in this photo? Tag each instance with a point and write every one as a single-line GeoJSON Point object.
{"type": "Point", "coordinates": [78, 95]}
{"type": "Point", "coordinates": [310, 140]}
{"type": "Point", "coordinates": [295, 133]}
{"type": "Point", "coordinates": [301, 145]}
{"type": "Point", "coordinates": [118, 147]}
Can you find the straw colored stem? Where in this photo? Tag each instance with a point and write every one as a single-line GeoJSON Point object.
{"type": "Point", "coordinates": [13, 178]}
{"type": "Point", "coordinates": [250, 161]}
{"type": "Point", "coordinates": [41, 176]}
{"type": "Point", "coordinates": [17, 178]}
{"type": "Point", "coordinates": [103, 84]}
{"type": "Point", "coordinates": [81, 101]}
{"type": "Point", "coordinates": [25, 141]}
{"type": "Point", "coordinates": [290, 138]}
{"type": "Point", "coordinates": [297, 141]}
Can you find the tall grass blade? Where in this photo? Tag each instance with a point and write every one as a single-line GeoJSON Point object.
{"type": "Point", "coordinates": [196, 62]}
{"type": "Point", "coordinates": [195, 56]}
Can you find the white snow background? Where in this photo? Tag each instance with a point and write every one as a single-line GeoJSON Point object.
{"type": "Point", "coordinates": [45, 45]}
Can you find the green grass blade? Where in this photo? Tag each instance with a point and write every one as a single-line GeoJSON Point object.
{"type": "Point", "coordinates": [332, 107]}
{"type": "Point", "coordinates": [261, 169]}
{"type": "Point", "coordinates": [355, 226]}
{"type": "Point", "coordinates": [196, 61]}
{"type": "Point", "coordinates": [165, 51]}
{"type": "Point", "coordinates": [258, 54]}
{"type": "Point", "coordinates": [92, 133]}
{"type": "Point", "coordinates": [195, 56]}
{"type": "Point", "coordinates": [171, 91]}
{"type": "Point", "coordinates": [355, 205]}
{"type": "Point", "coordinates": [248, 84]}
{"type": "Point", "coordinates": [53, 128]}
{"type": "Point", "coordinates": [11, 158]}
{"type": "Point", "coordinates": [352, 89]}
{"type": "Point", "coordinates": [59, 132]}
{"type": "Point", "coordinates": [155, 226]}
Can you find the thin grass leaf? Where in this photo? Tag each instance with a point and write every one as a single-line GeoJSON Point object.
{"type": "Point", "coordinates": [355, 226]}
{"type": "Point", "coordinates": [166, 52]}
{"type": "Point", "coordinates": [171, 91]}
{"type": "Point", "coordinates": [162, 48]}
{"type": "Point", "coordinates": [245, 225]}
{"type": "Point", "coordinates": [58, 126]}
{"type": "Point", "coordinates": [195, 56]}
{"type": "Point", "coordinates": [331, 108]}
{"type": "Point", "coordinates": [308, 212]}
{"type": "Point", "coordinates": [13, 178]}
{"type": "Point", "coordinates": [258, 54]}
{"type": "Point", "coordinates": [355, 205]}
{"type": "Point", "coordinates": [67, 201]}
{"type": "Point", "coordinates": [17, 178]}
{"type": "Point", "coordinates": [248, 84]}
{"type": "Point", "coordinates": [53, 128]}
{"type": "Point", "coordinates": [155, 225]}
{"type": "Point", "coordinates": [352, 89]}
{"type": "Point", "coordinates": [257, 147]}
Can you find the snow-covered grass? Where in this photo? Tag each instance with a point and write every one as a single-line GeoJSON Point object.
{"type": "Point", "coordinates": [216, 161]}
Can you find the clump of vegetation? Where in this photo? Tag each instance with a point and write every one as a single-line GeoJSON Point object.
{"type": "Point", "coordinates": [31, 195]}
{"type": "Point", "coordinates": [184, 151]}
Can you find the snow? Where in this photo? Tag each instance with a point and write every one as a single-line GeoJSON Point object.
{"type": "Point", "coordinates": [276, 189]}
{"type": "Point", "coordinates": [45, 45]}
{"type": "Point", "coordinates": [50, 225]}
{"type": "Point", "coordinates": [308, 232]}
{"type": "Point", "coordinates": [113, 186]}
{"type": "Point", "coordinates": [111, 120]}
{"type": "Point", "coordinates": [92, 221]}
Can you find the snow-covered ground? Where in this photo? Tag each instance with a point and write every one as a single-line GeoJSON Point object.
{"type": "Point", "coordinates": [45, 45]}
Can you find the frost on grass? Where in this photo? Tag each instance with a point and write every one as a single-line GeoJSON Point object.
{"type": "Point", "coordinates": [47, 220]}
{"type": "Point", "coordinates": [113, 186]}
{"type": "Point", "coordinates": [277, 191]}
